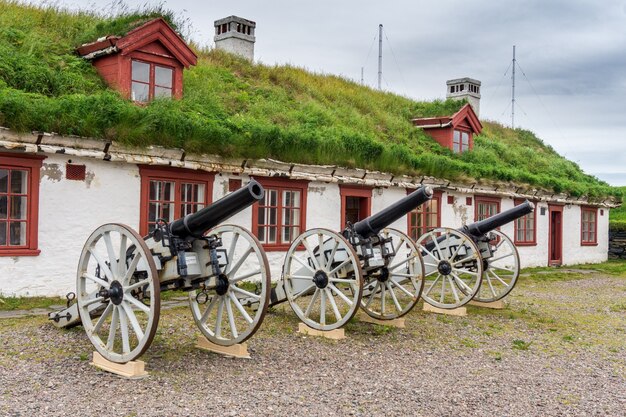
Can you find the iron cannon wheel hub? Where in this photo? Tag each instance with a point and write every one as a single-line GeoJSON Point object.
{"type": "Point", "coordinates": [116, 293]}
{"type": "Point", "coordinates": [222, 284]}
{"type": "Point", "coordinates": [384, 274]}
{"type": "Point", "coordinates": [320, 279]}
{"type": "Point", "coordinates": [444, 268]}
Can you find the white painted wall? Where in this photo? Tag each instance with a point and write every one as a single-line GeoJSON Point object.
{"type": "Point", "coordinates": [71, 210]}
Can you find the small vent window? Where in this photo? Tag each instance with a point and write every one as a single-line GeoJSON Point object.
{"type": "Point", "coordinates": [75, 172]}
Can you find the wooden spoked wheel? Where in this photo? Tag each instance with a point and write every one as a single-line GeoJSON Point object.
{"type": "Point", "coordinates": [453, 268]}
{"type": "Point", "coordinates": [393, 290]}
{"type": "Point", "coordinates": [322, 279]}
{"type": "Point", "coordinates": [118, 292]}
{"type": "Point", "coordinates": [501, 271]}
{"type": "Point", "coordinates": [230, 307]}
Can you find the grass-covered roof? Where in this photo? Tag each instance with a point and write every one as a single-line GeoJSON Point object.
{"type": "Point", "coordinates": [238, 109]}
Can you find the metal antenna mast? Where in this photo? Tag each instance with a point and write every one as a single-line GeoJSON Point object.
{"type": "Point", "coordinates": [362, 76]}
{"type": "Point", "coordinates": [513, 92]}
{"type": "Point", "coordinates": [380, 55]}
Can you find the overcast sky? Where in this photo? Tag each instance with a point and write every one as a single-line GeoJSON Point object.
{"type": "Point", "coordinates": [573, 55]}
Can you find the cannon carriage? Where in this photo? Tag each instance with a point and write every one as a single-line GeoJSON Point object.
{"type": "Point", "coordinates": [327, 276]}
{"type": "Point", "coordinates": [121, 275]}
{"type": "Point", "coordinates": [476, 262]}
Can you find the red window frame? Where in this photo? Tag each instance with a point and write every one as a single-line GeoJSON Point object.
{"type": "Point", "coordinates": [591, 226]}
{"type": "Point", "coordinates": [479, 200]}
{"type": "Point", "coordinates": [280, 186]}
{"type": "Point", "coordinates": [522, 225]}
{"type": "Point", "coordinates": [460, 141]}
{"type": "Point", "coordinates": [152, 79]}
{"type": "Point", "coordinates": [178, 176]}
{"type": "Point", "coordinates": [415, 231]}
{"type": "Point", "coordinates": [31, 164]}
{"type": "Point", "coordinates": [364, 193]}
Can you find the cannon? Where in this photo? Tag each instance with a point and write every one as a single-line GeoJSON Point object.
{"type": "Point", "coordinates": [327, 276]}
{"type": "Point", "coordinates": [458, 261]}
{"type": "Point", "coordinates": [121, 275]}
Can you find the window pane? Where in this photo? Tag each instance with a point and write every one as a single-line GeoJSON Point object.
{"type": "Point", "coordinates": [3, 233]}
{"type": "Point", "coordinates": [168, 191]}
{"type": "Point", "coordinates": [273, 200]}
{"type": "Point", "coordinates": [457, 136]}
{"type": "Point", "coordinates": [272, 235]}
{"type": "Point", "coordinates": [3, 207]}
{"type": "Point", "coordinates": [162, 92]}
{"type": "Point", "coordinates": [465, 139]}
{"type": "Point", "coordinates": [4, 178]}
{"type": "Point", "coordinates": [141, 72]}
{"type": "Point", "coordinates": [163, 76]}
{"type": "Point", "coordinates": [261, 216]}
{"type": "Point", "coordinates": [18, 208]}
{"type": "Point", "coordinates": [153, 209]}
{"type": "Point", "coordinates": [19, 181]}
{"type": "Point", "coordinates": [17, 232]}
{"type": "Point", "coordinates": [455, 147]}
{"type": "Point", "coordinates": [168, 212]}
{"type": "Point", "coordinates": [139, 92]}
{"type": "Point", "coordinates": [262, 234]}
{"type": "Point", "coordinates": [529, 236]}
{"type": "Point", "coordinates": [273, 216]}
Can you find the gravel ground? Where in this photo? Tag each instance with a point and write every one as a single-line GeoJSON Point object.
{"type": "Point", "coordinates": [558, 349]}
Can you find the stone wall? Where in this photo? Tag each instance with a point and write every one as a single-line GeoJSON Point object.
{"type": "Point", "coordinates": [617, 245]}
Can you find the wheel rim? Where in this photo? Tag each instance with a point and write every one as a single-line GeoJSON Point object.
{"type": "Point", "coordinates": [501, 271]}
{"type": "Point", "coordinates": [231, 307]}
{"type": "Point", "coordinates": [453, 268]}
{"type": "Point", "coordinates": [392, 292]}
{"type": "Point", "coordinates": [118, 302]}
{"type": "Point", "coordinates": [323, 291]}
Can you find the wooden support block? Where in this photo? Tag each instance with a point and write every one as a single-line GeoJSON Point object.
{"type": "Point", "coordinates": [496, 305]}
{"type": "Point", "coordinates": [459, 311]}
{"type": "Point", "coordinates": [399, 322]}
{"type": "Point", "coordinates": [239, 350]}
{"type": "Point", "coordinates": [336, 334]}
{"type": "Point", "coordinates": [130, 370]}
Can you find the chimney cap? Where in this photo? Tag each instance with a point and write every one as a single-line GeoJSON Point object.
{"type": "Point", "coordinates": [463, 80]}
{"type": "Point", "coordinates": [234, 18]}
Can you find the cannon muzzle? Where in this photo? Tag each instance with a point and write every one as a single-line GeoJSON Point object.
{"type": "Point", "coordinates": [198, 223]}
{"type": "Point", "coordinates": [482, 227]}
{"type": "Point", "coordinates": [374, 224]}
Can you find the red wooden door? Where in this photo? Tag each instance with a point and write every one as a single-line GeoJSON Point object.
{"type": "Point", "coordinates": [555, 241]}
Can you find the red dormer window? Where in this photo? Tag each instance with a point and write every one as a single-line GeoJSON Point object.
{"type": "Point", "coordinates": [145, 64]}
{"type": "Point", "coordinates": [454, 132]}
{"type": "Point", "coordinates": [150, 81]}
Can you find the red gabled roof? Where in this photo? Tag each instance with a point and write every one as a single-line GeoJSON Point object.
{"type": "Point", "coordinates": [154, 30]}
{"type": "Point", "coordinates": [465, 113]}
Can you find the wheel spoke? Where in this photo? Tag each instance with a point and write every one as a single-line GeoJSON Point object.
{"type": "Point", "coordinates": [240, 262]}
{"type": "Point", "coordinates": [340, 294]}
{"type": "Point", "coordinates": [501, 257]}
{"type": "Point", "coordinates": [132, 267]}
{"type": "Point", "coordinates": [231, 250]}
{"type": "Point", "coordinates": [311, 254]}
{"type": "Point", "coordinates": [401, 288]}
{"type": "Point", "coordinates": [92, 301]}
{"type": "Point", "coordinates": [462, 283]}
{"type": "Point", "coordinates": [141, 306]}
{"type": "Point", "coordinates": [97, 280]}
{"type": "Point", "coordinates": [105, 315]}
{"type": "Point", "coordinates": [113, 328]}
{"type": "Point", "coordinates": [133, 320]}
{"type": "Point", "coordinates": [468, 258]}
{"type": "Point", "coordinates": [121, 265]}
{"type": "Point", "coordinates": [303, 292]}
{"type": "Point", "coordinates": [231, 318]}
{"type": "Point", "coordinates": [410, 258]}
{"type": "Point", "coordinates": [372, 294]}
{"type": "Point", "coordinates": [124, 331]}
{"type": "Point", "coordinates": [499, 279]}
{"type": "Point", "coordinates": [310, 306]}
{"type": "Point", "coordinates": [109, 245]}
{"type": "Point", "coordinates": [432, 285]}
{"type": "Point", "coordinates": [103, 266]}
{"type": "Point", "coordinates": [137, 285]}
{"type": "Point", "coordinates": [382, 298]}
{"type": "Point", "coordinates": [244, 276]}
{"type": "Point", "coordinates": [244, 292]}
{"type": "Point", "coordinates": [465, 271]}
{"type": "Point", "coordinates": [454, 291]}
{"type": "Point", "coordinates": [207, 312]}
{"type": "Point", "coordinates": [443, 290]}
{"type": "Point", "coordinates": [332, 256]}
{"type": "Point", "coordinates": [338, 267]}
{"type": "Point", "coordinates": [303, 277]}
{"type": "Point", "coordinates": [331, 300]}
{"type": "Point", "coordinates": [323, 308]}
{"type": "Point", "coordinates": [218, 320]}
{"type": "Point", "coordinates": [301, 262]}
{"type": "Point", "coordinates": [434, 271]}
{"type": "Point", "coordinates": [423, 248]}
{"type": "Point", "coordinates": [493, 291]}
{"type": "Point", "coordinates": [342, 280]}
{"type": "Point", "coordinates": [239, 307]}
{"type": "Point", "coordinates": [393, 296]}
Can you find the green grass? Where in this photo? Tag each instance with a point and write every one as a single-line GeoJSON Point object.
{"type": "Point", "coordinates": [617, 216]}
{"type": "Point", "coordinates": [27, 303]}
{"type": "Point", "coordinates": [237, 109]}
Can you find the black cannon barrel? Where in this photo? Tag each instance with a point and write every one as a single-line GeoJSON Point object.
{"type": "Point", "coordinates": [482, 227]}
{"type": "Point", "coordinates": [374, 224]}
{"type": "Point", "coordinates": [196, 224]}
